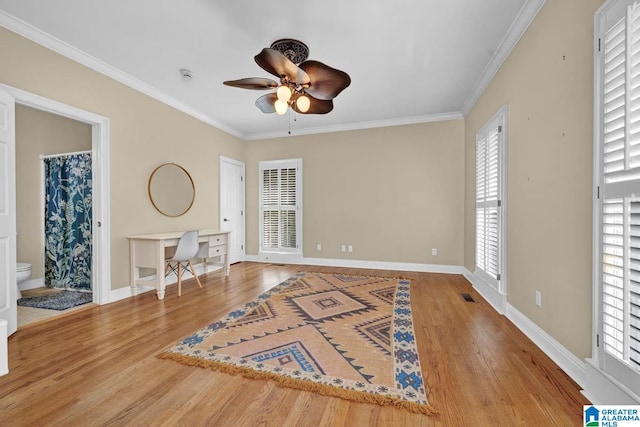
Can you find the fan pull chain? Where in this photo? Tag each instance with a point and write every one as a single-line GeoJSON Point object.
{"type": "Point", "coordinates": [295, 119]}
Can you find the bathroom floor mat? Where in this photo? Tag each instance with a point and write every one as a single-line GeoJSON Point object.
{"type": "Point", "coordinates": [58, 301]}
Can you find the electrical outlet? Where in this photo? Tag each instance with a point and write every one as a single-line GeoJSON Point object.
{"type": "Point", "coordinates": [539, 298]}
{"type": "Point", "coordinates": [318, 247]}
{"type": "Point", "coordinates": [434, 251]}
{"type": "Point", "coordinates": [343, 248]}
{"type": "Point", "coordinates": [350, 248]}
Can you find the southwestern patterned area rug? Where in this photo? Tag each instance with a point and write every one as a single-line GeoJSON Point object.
{"type": "Point", "coordinates": [346, 336]}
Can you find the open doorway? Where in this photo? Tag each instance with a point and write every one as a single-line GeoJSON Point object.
{"type": "Point", "coordinates": [53, 210]}
{"type": "Point", "coordinates": [99, 148]}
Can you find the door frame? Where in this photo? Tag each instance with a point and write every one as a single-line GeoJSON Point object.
{"type": "Point", "coordinates": [496, 297]}
{"type": "Point", "coordinates": [100, 141]}
{"type": "Point", "coordinates": [8, 305]}
{"type": "Point", "coordinates": [222, 183]}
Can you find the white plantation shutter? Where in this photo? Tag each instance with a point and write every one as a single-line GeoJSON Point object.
{"type": "Point", "coordinates": [481, 172]}
{"type": "Point", "coordinates": [270, 196]}
{"type": "Point", "coordinates": [488, 203]}
{"type": "Point", "coordinates": [288, 207]}
{"type": "Point", "coordinates": [280, 205]}
{"type": "Point", "coordinates": [634, 282]}
{"type": "Point", "coordinates": [619, 200]}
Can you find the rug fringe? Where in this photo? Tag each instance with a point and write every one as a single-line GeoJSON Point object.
{"type": "Point", "coordinates": [324, 389]}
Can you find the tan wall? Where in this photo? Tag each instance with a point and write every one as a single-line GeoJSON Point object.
{"type": "Point", "coordinates": [392, 193]}
{"type": "Point", "coordinates": [144, 134]}
{"type": "Point", "coordinates": [547, 82]}
{"type": "Point", "coordinates": [39, 132]}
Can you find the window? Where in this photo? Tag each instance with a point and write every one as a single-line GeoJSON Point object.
{"type": "Point", "coordinates": [489, 200]}
{"type": "Point", "coordinates": [617, 175]}
{"type": "Point", "coordinates": [280, 208]}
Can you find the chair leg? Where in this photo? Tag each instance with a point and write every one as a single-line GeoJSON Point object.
{"type": "Point", "coordinates": [169, 268]}
{"type": "Point", "coordinates": [179, 279]}
{"type": "Point", "coordinates": [194, 273]}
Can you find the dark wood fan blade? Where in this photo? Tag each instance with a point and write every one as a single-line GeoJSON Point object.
{"type": "Point", "coordinates": [256, 83]}
{"type": "Point", "coordinates": [266, 103]}
{"type": "Point", "coordinates": [279, 65]}
{"type": "Point", "coordinates": [317, 106]}
{"type": "Point", "coordinates": [325, 82]}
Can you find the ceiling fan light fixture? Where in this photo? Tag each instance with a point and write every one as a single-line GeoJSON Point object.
{"type": "Point", "coordinates": [284, 93]}
{"type": "Point", "coordinates": [307, 86]}
{"type": "Point", "coordinates": [303, 103]}
{"type": "Point", "coordinates": [281, 107]}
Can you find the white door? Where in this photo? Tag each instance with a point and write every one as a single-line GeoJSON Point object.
{"type": "Point", "coordinates": [232, 205]}
{"type": "Point", "coordinates": [8, 294]}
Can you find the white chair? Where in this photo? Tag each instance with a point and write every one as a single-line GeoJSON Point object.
{"type": "Point", "coordinates": [187, 249]}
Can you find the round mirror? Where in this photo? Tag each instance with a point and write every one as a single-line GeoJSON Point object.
{"type": "Point", "coordinates": [171, 189]}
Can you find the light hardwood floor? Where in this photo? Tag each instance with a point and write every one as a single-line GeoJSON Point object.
{"type": "Point", "coordinates": [98, 366]}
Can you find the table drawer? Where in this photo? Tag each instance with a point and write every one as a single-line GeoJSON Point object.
{"type": "Point", "coordinates": [220, 239]}
{"type": "Point", "coordinates": [215, 251]}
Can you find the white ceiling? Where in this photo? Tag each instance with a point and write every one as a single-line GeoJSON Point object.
{"type": "Point", "coordinates": [409, 60]}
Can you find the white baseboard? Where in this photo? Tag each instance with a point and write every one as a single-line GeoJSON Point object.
{"type": "Point", "coordinates": [602, 389]}
{"type": "Point", "coordinates": [32, 284]}
{"type": "Point", "coordinates": [279, 258]}
{"type": "Point", "coordinates": [373, 265]}
{"type": "Point", "coordinates": [598, 387]}
{"type": "Point", "coordinates": [567, 361]}
{"type": "Point", "coordinates": [494, 297]}
{"type": "Point", "coordinates": [125, 292]}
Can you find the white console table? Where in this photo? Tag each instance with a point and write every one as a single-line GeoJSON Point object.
{"type": "Point", "coordinates": [147, 251]}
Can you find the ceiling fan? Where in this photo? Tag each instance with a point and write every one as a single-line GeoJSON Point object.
{"type": "Point", "coordinates": [306, 86]}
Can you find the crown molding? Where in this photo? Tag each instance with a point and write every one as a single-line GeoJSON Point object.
{"type": "Point", "coordinates": [42, 38]}
{"type": "Point", "coordinates": [357, 126]}
{"type": "Point", "coordinates": [525, 17]}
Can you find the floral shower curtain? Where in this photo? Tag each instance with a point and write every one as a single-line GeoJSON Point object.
{"type": "Point", "coordinates": [68, 221]}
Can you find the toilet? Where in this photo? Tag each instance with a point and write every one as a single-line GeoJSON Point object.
{"type": "Point", "coordinates": [23, 273]}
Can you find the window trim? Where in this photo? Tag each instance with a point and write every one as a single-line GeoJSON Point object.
{"type": "Point", "coordinates": [602, 375]}
{"type": "Point", "coordinates": [277, 256]}
{"type": "Point", "coordinates": [497, 296]}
